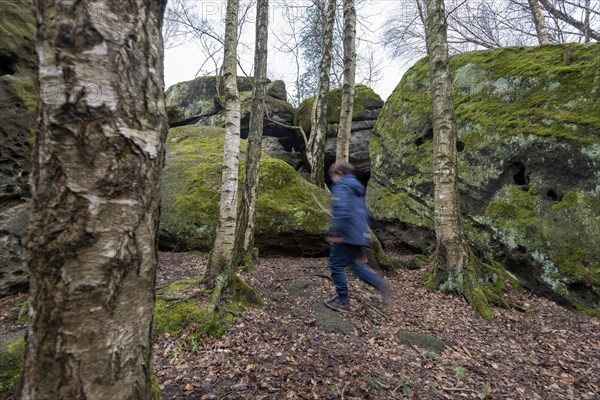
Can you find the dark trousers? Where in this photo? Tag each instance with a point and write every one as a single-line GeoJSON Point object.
{"type": "Point", "coordinates": [343, 255]}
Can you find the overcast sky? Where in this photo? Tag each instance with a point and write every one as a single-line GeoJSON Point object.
{"type": "Point", "coordinates": [182, 62]}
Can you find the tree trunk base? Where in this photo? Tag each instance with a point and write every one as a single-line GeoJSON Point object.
{"type": "Point", "coordinates": [230, 296]}
{"type": "Point", "coordinates": [248, 260]}
{"type": "Point", "coordinates": [482, 285]}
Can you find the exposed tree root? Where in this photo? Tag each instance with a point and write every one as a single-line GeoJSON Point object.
{"type": "Point", "coordinates": [196, 293]}
{"type": "Point", "coordinates": [230, 296]}
{"type": "Point", "coordinates": [482, 285]}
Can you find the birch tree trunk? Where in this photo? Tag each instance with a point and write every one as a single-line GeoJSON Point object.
{"type": "Point", "coordinates": [347, 102]}
{"type": "Point", "coordinates": [221, 255]}
{"type": "Point", "coordinates": [316, 143]}
{"type": "Point", "coordinates": [247, 214]}
{"type": "Point", "coordinates": [91, 245]}
{"type": "Point", "coordinates": [454, 269]}
{"type": "Point", "coordinates": [539, 21]}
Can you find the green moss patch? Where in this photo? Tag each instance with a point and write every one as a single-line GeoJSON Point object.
{"type": "Point", "coordinates": [180, 316]}
{"type": "Point", "coordinates": [17, 30]}
{"type": "Point", "coordinates": [529, 150]}
{"type": "Point", "coordinates": [173, 315]}
{"type": "Point", "coordinates": [287, 215]}
{"type": "Point", "coordinates": [10, 367]}
{"type": "Point", "coordinates": [427, 342]}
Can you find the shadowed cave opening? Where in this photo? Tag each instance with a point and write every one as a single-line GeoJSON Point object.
{"type": "Point", "coordinates": [520, 178]}
{"type": "Point", "coordinates": [426, 137]}
{"type": "Point", "coordinates": [7, 66]}
{"type": "Point", "coordinates": [553, 195]}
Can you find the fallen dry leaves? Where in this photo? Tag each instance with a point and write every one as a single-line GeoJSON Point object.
{"type": "Point", "coordinates": [293, 348]}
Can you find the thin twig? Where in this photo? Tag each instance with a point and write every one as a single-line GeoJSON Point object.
{"type": "Point", "coordinates": [234, 390]}
{"type": "Point", "coordinates": [384, 315]}
{"type": "Point", "coordinates": [412, 346]}
{"type": "Point", "coordinates": [189, 296]}
{"type": "Point", "coordinates": [321, 206]}
{"type": "Point", "coordinates": [323, 276]}
{"type": "Point", "coordinates": [455, 389]}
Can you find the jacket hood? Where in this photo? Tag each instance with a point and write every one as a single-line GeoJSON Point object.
{"type": "Point", "coordinates": [353, 183]}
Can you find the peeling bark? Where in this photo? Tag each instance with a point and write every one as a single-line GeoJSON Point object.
{"type": "Point", "coordinates": [91, 244]}
{"type": "Point", "coordinates": [539, 21]}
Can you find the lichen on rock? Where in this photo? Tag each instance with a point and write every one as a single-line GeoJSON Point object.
{"type": "Point", "coordinates": [528, 139]}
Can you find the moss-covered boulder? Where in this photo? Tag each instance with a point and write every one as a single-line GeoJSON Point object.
{"type": "Point", "coordinates": [17, 96]}
{"type": "Point", "coordinates": [367, 105]}
{"type": "Point", "coordinates": [199, 102]}
{"type": "Point", "coordinates": [528, 125]}
{"type": "Point", "coordinates": [288, 220]}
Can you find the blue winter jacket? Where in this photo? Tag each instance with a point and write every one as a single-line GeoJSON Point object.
{"type": "Point", "coordinates": [350, 216]}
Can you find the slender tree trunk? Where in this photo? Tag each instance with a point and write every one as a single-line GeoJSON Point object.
{"type": "Point", "coordinates": [95, 203]}
{"type": "Point", "coordinates": [422, 16]}
{"type": "Point", "coordinates": [453, 269]}
{"type": "Point", "coordinates": [221, 255]}
{"type": "Point", "coordinates": [247, 214]}
{"type": "Point", "coordinates": [539, 21]}
{"type": "Point", "coordinates": [586, 31]}
{"type": "Point", "coordinates": [347, 102]}
{"type": "Point", "coordinates": [558, 14]}
{"type": "Point", "coordinates": [316, 143]}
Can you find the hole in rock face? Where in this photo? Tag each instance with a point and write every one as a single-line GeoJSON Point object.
{"type": "Point", "coordinates": [520, 178]}
{"type": "Point", "coordinates": [460, 146]}
{"type": "Point", "coordinates": [426, 137]}
{"type": "Point", "coordinates": [7, 66]}
{"type": "Point", "coordinates": [554, 196]}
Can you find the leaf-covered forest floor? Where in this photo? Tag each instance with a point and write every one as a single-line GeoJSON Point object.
{"type": "Point", "coordinates": [421, 344]}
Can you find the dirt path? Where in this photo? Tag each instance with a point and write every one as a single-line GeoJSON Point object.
{"type": "Point", "coordinates": [422, 344]}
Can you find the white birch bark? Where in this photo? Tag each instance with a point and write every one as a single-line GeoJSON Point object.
{"type": "Point", "coordinates": [452, 252]}
{"type": "Point", "coordinates": [221, 255]}
{"type": "Point", "coordinates": [316, 142]}
{"type": "Point", "coordinates": [247, 215]}
{"type": "Point", "coordinates": [347, 101]}
{"type": "Point", "coordinates": [95, 203]}
{"type": "Point", "coordinates": [539, 21]}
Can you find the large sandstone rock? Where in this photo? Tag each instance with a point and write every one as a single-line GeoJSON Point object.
{"type": "Point", "coordinates": [14, 275]}
{"type": "Point", "coordinates": [17, 96]}
{"type": "Point", "coordinates": [198, 102]}
{"type": "Point", "coordinates": [529, 154]}
{"type": "Point", "coordinates": [273, 148]}
{"type": "Point", "coordinates": [367, 105]}
{"type": "Point", "coordinates": [288, 220]}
